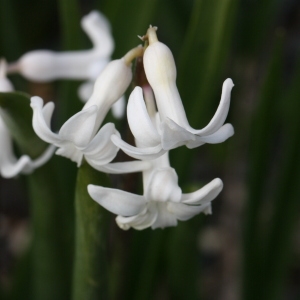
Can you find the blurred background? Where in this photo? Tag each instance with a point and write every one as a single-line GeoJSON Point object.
{"type": "Point", "coordinates": [249, 248]}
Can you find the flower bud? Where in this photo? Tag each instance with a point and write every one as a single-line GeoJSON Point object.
{"type": "Point", "coordinates": [161, 73]}
{"type": "Point", "coordinates": [159, 63]}
{"type": "Point", "coordinates": [112, 83]}
{"type": "Point", "coordinates": [39, 65]}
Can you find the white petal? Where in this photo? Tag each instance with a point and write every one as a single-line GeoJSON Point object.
{"type": "Point", "coordinates": [173, 135]}
{"type": "Point", "coordinates": [204, 195]}
{"type": "Point", "coordinates": [80, 127]}
{"type": "Point", "coordinates": [111, 84]}
{"type": "Point", "coordinates": [85, 90]}
{"type": "Point", "coordinates": [221, 135]}
{"type": "Point", "coordinates": [118, 108]}
{"type": "Point", "coordinates": [68, 150]}
{"type": "Point", "coordinates": [5, 85]}
{"type": "Point", "coordinates": [208, 209]}
{"type": "Point", "coordinates": [139, 222]}
{"type": "Point", "coordinates": [40, 66]}
{"type": "Point", "coordinates": [47, 113]}
{"type": "Point", "coordinates": [139, 120]}
{"type": "Point", "coordinates": [121, 167]}
{"type": "Point", "coordinates": [43, 158]}
{"type": "Point", "coordinates": [117, 201]}
{"type": "Point", "coordinates": [160, 70]}
{"type": "Point", "coordinates": [109, 87]}
{"type": "Point", "coordinates": [97, 28]}
{"type": "Point", "coordinates": [184, 212]}
{"type": "Point", "coordinates": [221, 114]}
{"type": "Point", "coordinates": [12, 168]}
{"type": "Point", "coordinates": [44, 65]}
{"type": "Point", "coordinates": [138, 153]}
{"type": "Point", "coordinates": [40, 121]}
{"type": "Point", "coordinates": [101, 149]}
{"type": "Point", "coordinates": [163, 186]}
{"type": "Point", "coordinates": [164, 217]}
{"type": "Point", "coordinates": [95, 68]}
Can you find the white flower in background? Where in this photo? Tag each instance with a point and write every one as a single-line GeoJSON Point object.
{"type": "Point", "coordinates": [79, 136]}
{"type": "Point", "coordinates": [45, 65]}
{"type": "Point", "coordinates": [11, 166]}
{"type": "Point", "coordinates": [162, 203]}
{"type": "Point", "coordinates": [173, 130]}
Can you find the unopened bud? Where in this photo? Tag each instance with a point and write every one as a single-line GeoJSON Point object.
{"type": "Point", "coordinates": [160, 71]}
{"type": "Point", "coordinates": [159, 63]}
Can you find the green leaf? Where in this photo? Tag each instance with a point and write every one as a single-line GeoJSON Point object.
{"type": "Point", "coordinates": [201, 67]}
{"type": "Point", "coordinates": [263, 129]}
{"type": "Point", "coordinates": [283, 223]}
{"type": "Point", "coordinates": [17, 114]}
{"type": "Point", "coordinates": [253, 33]}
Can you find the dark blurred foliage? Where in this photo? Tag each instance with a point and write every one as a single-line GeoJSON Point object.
{"type": "Point", "coordinates": [250, 247]}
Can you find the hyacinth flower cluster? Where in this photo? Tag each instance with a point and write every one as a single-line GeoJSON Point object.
{"type": "Point", "coordinates": [157, 132]}
{"type": "Point", "coordinates": [156, 118]}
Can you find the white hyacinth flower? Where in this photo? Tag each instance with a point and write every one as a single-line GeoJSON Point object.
{"type": "Point", "coordinates": [10, 166]}
{"type": "Point", "coordinates": [79, 136]}
{"type": "Point", "coordinates": [162, 203]}
{"type": "Point", "coordinates": [173, 130]}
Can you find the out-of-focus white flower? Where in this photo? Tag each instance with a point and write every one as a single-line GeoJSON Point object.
{"type": "Point", "coordinates": [173, 130]}
{"type": "Point", "coordinates": [79, 136]}
{"type": "Point", "coordinates": [10, 166]}
{"type": "Point", "coordinates": [162, 203]}
{"type": "Point", "coordinates": [45, 65]}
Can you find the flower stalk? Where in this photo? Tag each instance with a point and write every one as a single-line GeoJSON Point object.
{"type": "Point", "coordinates": [90, 268]}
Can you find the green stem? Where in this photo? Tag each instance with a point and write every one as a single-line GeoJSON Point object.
{"type": "Point", "coordinates": [146, 279]}
{"type": "Point", "coordinates": [183, 239]}
{"type": "Point", "coordinates": [90, 280]}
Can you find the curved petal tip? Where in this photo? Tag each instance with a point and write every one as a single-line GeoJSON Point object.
{"type": "Point", "coordinates": [36, 102]}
